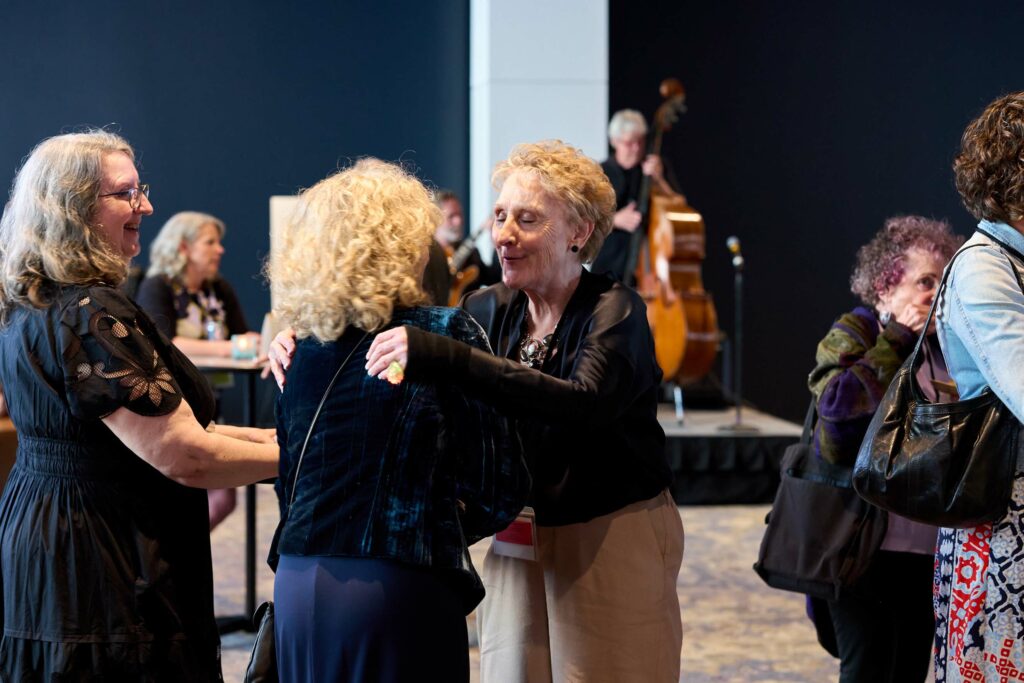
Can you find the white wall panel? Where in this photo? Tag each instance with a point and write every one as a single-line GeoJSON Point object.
{"type": "Point", "coordinates": [538, 70]}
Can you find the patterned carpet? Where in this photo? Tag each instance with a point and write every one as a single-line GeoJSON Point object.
{"type": "Point", "coordinates": [736, 629]}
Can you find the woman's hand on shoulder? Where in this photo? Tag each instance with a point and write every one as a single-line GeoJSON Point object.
{"type": "Point", "coordinates": [282, 349]}
{"type": "Point", "coordinates": [388, 355]}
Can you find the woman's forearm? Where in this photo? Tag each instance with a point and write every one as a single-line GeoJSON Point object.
{"type": "Point", "coordinates": [184, 451]}
{"type": "Point", "coordinates": [597, 392]}
{"type": "Point", "coordinates": [254, 434]}
{"type": "Point", "coordinates": [203, 347]}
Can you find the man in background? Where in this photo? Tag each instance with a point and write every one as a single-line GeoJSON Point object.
{"type": "Point", "coordinates": [468, 269]}
{"type": "Point", "coordinates": [629, 163]}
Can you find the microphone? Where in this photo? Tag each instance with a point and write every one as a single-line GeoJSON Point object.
{"type": "Point", "coordinates": [733, 243]}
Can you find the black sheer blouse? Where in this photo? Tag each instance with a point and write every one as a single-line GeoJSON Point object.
{"type": "Point", "coordinates": [590, 426]}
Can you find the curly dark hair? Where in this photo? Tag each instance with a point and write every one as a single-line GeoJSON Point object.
{"type": "Point", "coordinates": [881, 263]}
{"type": "Point", "coordinates": [989, 169]}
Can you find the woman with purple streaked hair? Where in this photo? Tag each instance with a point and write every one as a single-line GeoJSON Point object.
{"type": "Point", "coordinates": [884, 632]}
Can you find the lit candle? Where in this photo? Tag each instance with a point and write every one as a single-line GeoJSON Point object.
{"type": "Point", "coordinates": [243, 347]}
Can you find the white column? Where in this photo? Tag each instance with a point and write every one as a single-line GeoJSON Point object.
{"type": "Point", "coordinates": [538, 70]}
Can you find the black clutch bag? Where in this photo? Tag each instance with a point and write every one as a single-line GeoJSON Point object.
{"type": "Point", "coordinates": [947, 464]}
{"type": "Point", "coordinates": [263, 660]}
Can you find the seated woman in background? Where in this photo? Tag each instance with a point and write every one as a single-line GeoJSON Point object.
{"type": "Point", "coordinates": [192, 305]}
{"type": "Point", "coordinates": [884, 632]}
{"type": "Point", "coordinates": [380, 498]}
{"type": "Point", "coordinates": [104, 557]}
{"type": "Point", "coordinates": [183, 292]}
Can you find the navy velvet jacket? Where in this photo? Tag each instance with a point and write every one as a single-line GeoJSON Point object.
{"type": "Point", "coordinates": [412, 472]}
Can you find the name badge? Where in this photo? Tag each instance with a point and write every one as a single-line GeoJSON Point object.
{"type": "Point", "coordinates": [518, 539]}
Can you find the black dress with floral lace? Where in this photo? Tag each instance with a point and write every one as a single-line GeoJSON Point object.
{"type": "Point", "coordinates": [104, 563]}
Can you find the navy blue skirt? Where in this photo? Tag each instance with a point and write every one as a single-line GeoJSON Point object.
{"type": "Point", "coordinates": [361, 619]}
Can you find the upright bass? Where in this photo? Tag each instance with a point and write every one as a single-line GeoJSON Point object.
{"type": "Point", "coordinates": [675, 245]}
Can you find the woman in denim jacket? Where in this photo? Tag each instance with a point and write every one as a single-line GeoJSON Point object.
{"type": "Point", "coordinates": [979, 577]}
{"type": "Point", "coordinates": [374, 578]}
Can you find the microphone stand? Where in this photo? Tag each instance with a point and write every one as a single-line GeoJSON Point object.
{"type": "Point", "coordinates": [737, 349]}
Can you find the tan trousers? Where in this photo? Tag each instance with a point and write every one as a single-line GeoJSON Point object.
{"type": "Point", "coordinates": [599, 604]}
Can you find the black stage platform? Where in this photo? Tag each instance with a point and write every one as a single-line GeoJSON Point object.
{"type": "Point", "coordinates": [714, 467]}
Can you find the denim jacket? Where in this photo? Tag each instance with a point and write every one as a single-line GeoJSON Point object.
{"type": "Point", "coordinates": [981, 317]}
{"type": "Point", "coordinates": [411, 472]}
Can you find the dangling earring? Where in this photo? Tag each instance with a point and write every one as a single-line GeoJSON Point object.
{"type": "Point", "coordinates": [884, 317]}
{"type": "Point", "coordinates": [574, 249]}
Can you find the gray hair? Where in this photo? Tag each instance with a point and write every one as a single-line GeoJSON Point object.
{"type": "Point", "coordinates": [165, 256]}
{"type": "Point", "coordinates": [626, 121]}
{"type": "Point", "coordinates": [47, 239]}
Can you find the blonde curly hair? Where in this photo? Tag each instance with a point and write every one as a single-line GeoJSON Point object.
{"type": "Point", "coordinates": [165, 255]}
{"type": "Point", "coordinates": [572, 178]}
{"type": "Point", "coordinates": [47, 240]}
{"type": "Point", "coordinates": [353, 251]}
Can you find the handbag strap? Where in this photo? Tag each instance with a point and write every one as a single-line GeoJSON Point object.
{"type": "Point", "coordinates": [812, 412]}
{"type": "Point", "coordinates": [913, 360]}
{"type": "Point", "coordinates": [316, 415]}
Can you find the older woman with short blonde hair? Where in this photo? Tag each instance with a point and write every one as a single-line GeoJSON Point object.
{"type": "Point", "coordinates": [380, 496]}
{"type": "Point", "coordinates": [105, 566]}
{"type": "Point", "coordinates": [574, 358]}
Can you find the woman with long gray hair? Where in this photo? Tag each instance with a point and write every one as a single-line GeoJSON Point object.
{"type": "Point", "coordinates": [105, 566]}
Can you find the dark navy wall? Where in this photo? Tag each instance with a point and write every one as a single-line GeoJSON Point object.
{"type": "Point", "coordinates": [228, 103]}
{"type": "Point", "coordinates": [808, 124]}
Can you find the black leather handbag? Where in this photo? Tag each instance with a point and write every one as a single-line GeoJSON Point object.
{"type": "Point", "coordinates": [946, 464]}
{"type": "Point", "coordinates": [263, 660]}
{"type": "Point", "coordinates": [820, 536]}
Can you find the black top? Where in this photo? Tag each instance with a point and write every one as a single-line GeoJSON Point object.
{"type": "Point", "coordinates": [167, 302]}
{"type": "Point", "coordinates": [594, 443]}
{"type": "Point", "coordinates": [105, 563]}
{"type": "Point", "coordinates": [409, 472]}
{"type": "Point", "coordinates": [614, 254]}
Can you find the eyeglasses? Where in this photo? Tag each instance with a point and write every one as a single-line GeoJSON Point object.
{"type": "Point", "coordinates": [133, 195]}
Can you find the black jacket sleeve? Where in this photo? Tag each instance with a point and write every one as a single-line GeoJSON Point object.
{"type": "Point", "coordinates": [609, 371]}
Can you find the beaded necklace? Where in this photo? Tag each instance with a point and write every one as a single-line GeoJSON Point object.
{"type": "Point", "coordinates": [533, 352]}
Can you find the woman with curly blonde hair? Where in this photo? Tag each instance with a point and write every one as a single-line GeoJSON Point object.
{"type": "Point", "coordinates": [105, 563]}
{"type": "Point", "coordinates": [979, 576]}
{"type": "Point", "coordinates": [574, 358]}
{"type": "Point", "coordinates": [381, 495]}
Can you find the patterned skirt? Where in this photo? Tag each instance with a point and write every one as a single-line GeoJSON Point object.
{"type": "Point", "coordinates": [979, 599]}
